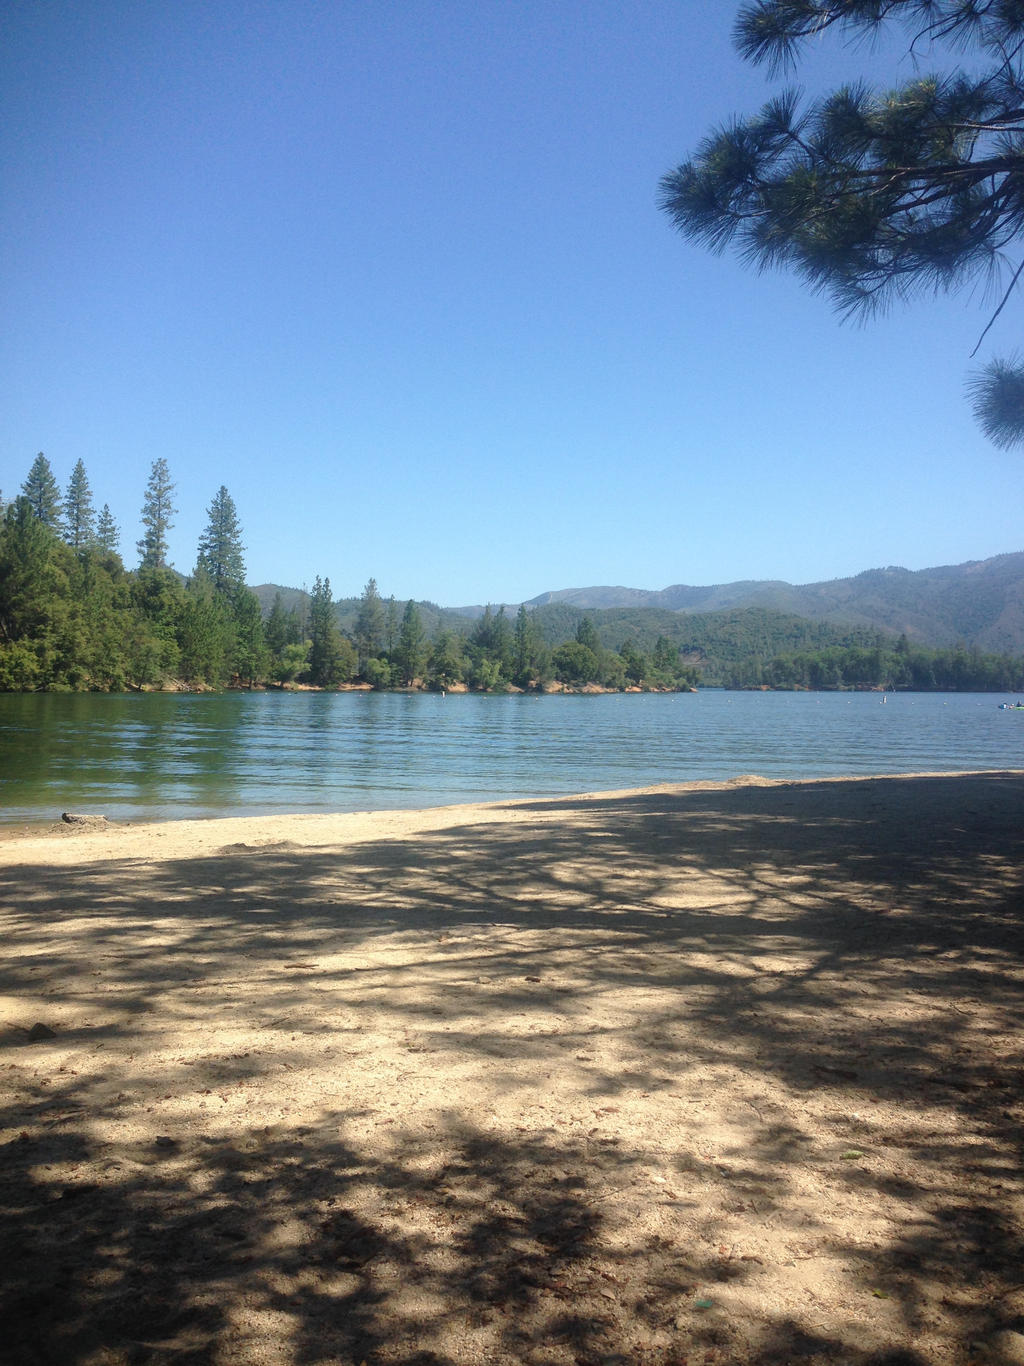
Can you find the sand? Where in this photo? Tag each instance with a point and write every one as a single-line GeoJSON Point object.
{"type": "Point", "coordinates": [706, 1074]}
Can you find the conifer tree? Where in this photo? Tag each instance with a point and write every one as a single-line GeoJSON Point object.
{"type": "Point", "coordinates": [79, 517]}
{"type": "Point", "coordinates": [251, 657]}
{"type": "Point", "coordinates": [108, 533]}
{"type": "Point", "coordinates": [874, 196]}
{"type": "Point", "coordinates": [410, 651]}
{"type": "Point", "coordinates": [205, 632]}
{"type": "Point", "coordinates": [157, 512]}
{"type": "Point", "coordinates": [281, 628]}
{"type": "Point", "coordinates": [43, 493]}
{"type": "Point", "coordinates": [524, 648]}
{"type": "Point", "coordinates": [446, 665]}
{"type": "Point", "coordinates": [34, 600]}
{"type": "Point", "coordinates": [586, 634]}
{"type": "Point", "coordinates": [325, 639]}
{"type": "Point", "coordinates": [370, 623]}
{"type": "Point", "coordinates": [666, 656]}
{"type": "Point", "coordinates": [220, 546]}
{"type": "Point", "coordinates": [501, 641]}
{"type": "Point", "coordinates": [158, 602]}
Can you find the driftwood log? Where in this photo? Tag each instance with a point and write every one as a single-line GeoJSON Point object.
{"type": "Point", "coordinates": [74, 818]}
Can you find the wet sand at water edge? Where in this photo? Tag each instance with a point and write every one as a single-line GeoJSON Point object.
{"type": "Point", "coordinates": [702, 1074]}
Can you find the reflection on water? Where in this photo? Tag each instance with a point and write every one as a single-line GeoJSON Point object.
{"type": "Point", "coordinates": [162, 756]}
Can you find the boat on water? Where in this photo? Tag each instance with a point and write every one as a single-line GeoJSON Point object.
{"type": "Point", "coordinates": [1011, 706]}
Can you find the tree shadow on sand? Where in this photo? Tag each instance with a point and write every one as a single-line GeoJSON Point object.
{"type": "Point", "coordinates": [836, 988]}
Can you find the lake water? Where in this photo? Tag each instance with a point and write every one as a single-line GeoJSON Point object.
{"type": "Point", "coordinates": [171, 756]}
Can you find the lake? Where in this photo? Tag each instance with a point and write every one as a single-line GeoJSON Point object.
{"type": "Point", "coordinates": [167, 756]}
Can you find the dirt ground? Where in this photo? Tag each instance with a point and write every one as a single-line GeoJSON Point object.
{"type": "Point", "coordinates": [703, 1074]}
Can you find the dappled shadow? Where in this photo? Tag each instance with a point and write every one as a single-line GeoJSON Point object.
{"type": "Point", "coordinates": [732, 1072]}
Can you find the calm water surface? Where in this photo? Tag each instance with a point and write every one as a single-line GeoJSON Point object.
{"type": "Point", "coordinates": [167, 756]}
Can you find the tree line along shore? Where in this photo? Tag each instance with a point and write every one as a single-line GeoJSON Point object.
{"type": "Point", "coordinates": [73, 617]}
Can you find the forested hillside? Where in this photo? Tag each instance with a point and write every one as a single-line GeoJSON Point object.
{"type": "Point", "coordinates": [980, 603]}
{"type": "Point", "coordinates": [73, 617]}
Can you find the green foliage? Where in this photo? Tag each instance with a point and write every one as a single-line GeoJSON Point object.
{"type": "Point", "coordinates": [100, 613]}
{"type": "Point", "coordinates": [20, 669]}
{"type": "Point", "coordinates": [64, 615]}
{"type": "Point", "coordinates": [662, 668]}
{"type": "Point", "coordinates": [446, 664]}
{"type": "Point", "coordinates": [483, 674]}
{"type": "Point", "coordinates": [157, 513]}
{"type": "Point", "coordinates": [152, 648]}
{"type": "Point", "coordinates": [220, 547]}
{"type": "Point", "coordinates": [377, 673]}
{"type": "Point", "coordinates": [501, 642]}
{"type": "Point", "coordinates": [997, 397]}
{"type": "Point", "coordinates": [251, 659]}
{"type": "Point", "coordinates": [323, 635]}
{"type": "Point", "coordinates": [489, 652]}
{"type": "Point", "coordinates": [108, 536]}
{"type": "Point", "coordinates": [410, 653]}
{"type": "Point", "coordinates": [531, 658]}
{"type": "Point", "coordinates": [892, 665]}
{"type": "Point", "coordinates": [292, 660]}
{"type": "Point", "coordinates": [332, 659]}
{"type": "Point", "coordinates": [40, 488]}
{"type": "Point", "coordinates": [634, 663]}
{"type": "Point", "coordinates": [390, 625]}
{"type": "Point", "coordinates": [609, 670]}
{"type": "Point", "coordinates": [205, 633]}
{"type": "Point", "coordinates": [874, 196]}
{"type": "Point", "coordinates": [586, 634]}
{"type": "Point", "coordinates": [666, 656]}
{"type": "Point", "coordinates": [575, 663]}
{"type": "Point", "coordinates": [34, 598]}
{"type": "Point", "coordinates": [72, 617]}
{"type": "Point", "coordinates": [79, 517]}
{"type": "Point", "coordinates": [370, 624]}
{"type": "Point", "coordinates": [282, 628]}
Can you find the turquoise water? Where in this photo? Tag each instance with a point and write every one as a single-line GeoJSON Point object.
{"type": "Point", "coordinates": [168, 756]}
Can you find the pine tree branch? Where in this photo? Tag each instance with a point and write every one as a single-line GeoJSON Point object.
{"type": "Point", "coordinates": [1002, 305]}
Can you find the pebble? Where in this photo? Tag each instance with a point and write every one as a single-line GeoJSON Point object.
{"type": "Point", "coordinates": [1010, 1347]}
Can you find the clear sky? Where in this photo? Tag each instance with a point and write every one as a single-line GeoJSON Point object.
{"type": "Point", "coordinates": [394, 274]}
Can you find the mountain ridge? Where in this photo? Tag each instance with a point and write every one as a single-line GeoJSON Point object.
{"type": "Point", "coordinates": [977, 603]}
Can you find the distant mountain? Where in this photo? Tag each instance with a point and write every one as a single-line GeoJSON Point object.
{"type": "Point", "coordinates": [346, 609]}
{"type": "Point", "coordinates": [979, 603]}
{"type": "Point", "coordinates": [292, 599]}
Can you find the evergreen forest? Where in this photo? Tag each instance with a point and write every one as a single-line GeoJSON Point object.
{"type": "Point", "coordinates": [74, 618]}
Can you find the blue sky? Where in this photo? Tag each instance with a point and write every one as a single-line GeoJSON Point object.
{"type": "Point", "coordinates": [395, 275]}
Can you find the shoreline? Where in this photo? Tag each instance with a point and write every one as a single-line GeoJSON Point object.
{"type": "Point", "coordinates": [97, 837]}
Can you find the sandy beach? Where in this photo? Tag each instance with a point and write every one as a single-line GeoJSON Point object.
{"type": "Point", "coordinates": [703, 1074]}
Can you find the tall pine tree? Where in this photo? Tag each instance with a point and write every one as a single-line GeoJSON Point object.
{"type": "Point", "coordinates": [524, 648]}
{"type": "Point", "coordinates": [220, 546]}
{"type": "Point", "coordinates": [79, 517]}
{"type": "Point", "coordinates": [411, 650]}
{"type": "Point", "coordinates": [325, 643]}
{"type": "Point", "coordinates": [252, 657]}
{"type": "Point", "coordinates": [43, 493]}
{"type": "Point", "coordinates": [157, 512]}
{"type": "Point", "coordinates": [108, 533]}
{"type": "Point", "coordinates": [370, 623]}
